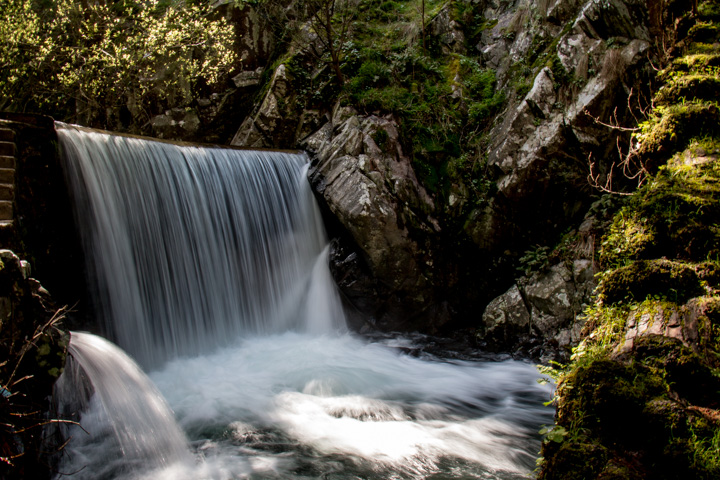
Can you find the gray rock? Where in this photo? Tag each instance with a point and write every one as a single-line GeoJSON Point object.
{"type": "Point", "coordinates": [545, 307]}
{"type": "Point", "coordinates": [544, 140]}
{"type": "Point", "coordinates": [552, 295]}
{"type": "Point", "coordinates": [506, 317]}
{"type": "Point", "coordinates": [176, 124]}
{"type": "Point", "coordinates": [373, 192]}
{"type": "Point", "coordinates": [248, 78]}
{"type": "Point", "coordinates": [274, 123]}
{"type": "Point", "coordinates": [448, 31]}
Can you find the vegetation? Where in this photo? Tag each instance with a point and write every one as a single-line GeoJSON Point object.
{"type": "Point", "coordinates": [33, 353]}
{"type": "Point", "coordinates": [90, 61]}
{"type": "Point", "coordinates": [443, 107]}
{"type": "Point", "coordinates": [640, 397]}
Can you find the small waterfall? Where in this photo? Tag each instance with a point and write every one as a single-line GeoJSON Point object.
{"type": "Point", "coordinates": [124, 415]}
{"type": "Point", "coordinates": [192, 247]}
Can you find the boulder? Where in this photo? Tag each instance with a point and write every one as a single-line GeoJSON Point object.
{"type": "Point", "coordinates": [506, 318]}
{"type": "Point", "coordinates": [542, 309]}
{"type": "Point", "coordinates": [367, 183]}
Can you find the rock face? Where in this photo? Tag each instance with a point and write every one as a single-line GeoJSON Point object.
{"type": "Point", "coordinates": [367, 183]}
{"type": "Point", "coordinates": [539, 314]}
{"type": "Point", "coordinates": [271, 126]}
{"type": "Point", "coordinates": [588, 55]}
{"type": "Point", "coordinates": [555, 61]}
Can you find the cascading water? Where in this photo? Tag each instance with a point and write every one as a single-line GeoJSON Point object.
{"type": "Point", "coordinates": [211, 270]}
{"type": "Point", "coordinates": [192, 247]}
{"type": "Point", "coordinates": [123, 411]}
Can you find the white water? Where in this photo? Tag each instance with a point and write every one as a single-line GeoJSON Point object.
{"type": "Point", "coordinates": [191, 247]}
{"type": "Point", "coordinates": [211, 270]}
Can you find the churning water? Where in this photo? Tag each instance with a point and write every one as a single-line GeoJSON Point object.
{"type": "Point", "coordinates": [210, 270]}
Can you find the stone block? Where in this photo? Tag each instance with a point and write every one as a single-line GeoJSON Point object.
{"type": "Point", "coordinates": [7, 148]}
{"type": "Point", "coordinates": [7, 135]}
{"type": "Point", "coordinates": [6, 210]}
{"type": "Point", "coordinates": [7, 192]}
{"type": "Point", "coordinates": [7, 175]}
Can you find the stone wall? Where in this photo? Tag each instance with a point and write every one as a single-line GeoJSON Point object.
{"type": "Point", "coordinates": [42, 228]}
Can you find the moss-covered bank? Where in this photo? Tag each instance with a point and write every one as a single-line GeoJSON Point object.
{"type": "Point", "coordinates": [641, 396]}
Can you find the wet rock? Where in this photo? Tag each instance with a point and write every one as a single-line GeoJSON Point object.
{"type": "Point", "coordinates": [360, 172]}
{"type": "Point", "coordinates": [506, 318]}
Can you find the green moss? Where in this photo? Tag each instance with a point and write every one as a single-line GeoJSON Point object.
{"type": "Point", "coordinates": [672, 128]}
{"type": "Point", "coordinates": [675, 215]}
{"type": "Point", "coordinates": [646, 404]}
{"type": "Point", "coordinates": [607, 399]}
{"type": "Point", "coordinates": [696, 62]}
{"type": "Point", "coordinates": [709, 10]}
{"type": "Point", "coordinates": [709, 273]}
{"type": "Point", "coordinates": [617, 469]}
{"type": "Point", "coordinates": [695, 86]}
{"type": "Point", "coordinates": [576, 460]}
{"type": "Point", "coordinates": [704, 49]}
{"type": "Point", "coordinates": [676, 281]}
{"type": "Point", "coordinates": [380, 137]}
{"type": "Point", "coordinates": [704, 32]}
{"type": "Point", "coordinates": [441, 105]}
{"type": "Point", "coordinates": [630, 237]}
{"type": "Point", "coordinates": [683, 370]}
{"type": "Point", "coordinates": [705, 451]}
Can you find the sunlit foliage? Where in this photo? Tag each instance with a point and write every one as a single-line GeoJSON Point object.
{"type": "Point", "coordinates": [87, 59]}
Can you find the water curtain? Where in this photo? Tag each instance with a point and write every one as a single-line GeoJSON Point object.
{"type": "Point", "coordinates": [191, 247]}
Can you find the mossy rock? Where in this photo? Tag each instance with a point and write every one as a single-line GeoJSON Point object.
{"type": "Point", "coordinates": [704, 33]}
{"type": "Point", "coordinates": [689, 87]}
{"type": "Point", "coordinates": [673, 128]}
{"type": "Point", "coordinates": [676, 281]}
{"type": "Point", "coordinates": [664, 418]}
{"type": "Point", "coordinates": [607, 398]}
{"type": "Point", "coordinates": [685, 372]}
{"type": "Point", "coordinates": [574, 460]}
{"type": "Point", "coordinates": [709, 272]}
{"type": "Point", "coordinates": [696, 62]}
{"type": "Point", "coordinates": [678, 462]}
{"type": "Point", "coordinates": [620, 469]}
{"type": "Point", "coordinates": [712, 312]}
{"type": "Point", "coordinates": [675, 215]}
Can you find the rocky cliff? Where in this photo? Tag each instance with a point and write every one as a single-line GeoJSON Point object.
{"type": "Point", "coordinates": [435, 231]}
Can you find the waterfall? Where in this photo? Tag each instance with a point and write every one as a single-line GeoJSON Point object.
{"type": "Point", "coordinates": [190, 247]}
{"type": "Point", "coordinates": [209, 268]}
{"type": "Point", "coordinates": [123, 411]}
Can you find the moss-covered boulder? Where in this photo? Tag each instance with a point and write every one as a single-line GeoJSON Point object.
{"type": "Point", "coordinates": [676, 280]}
